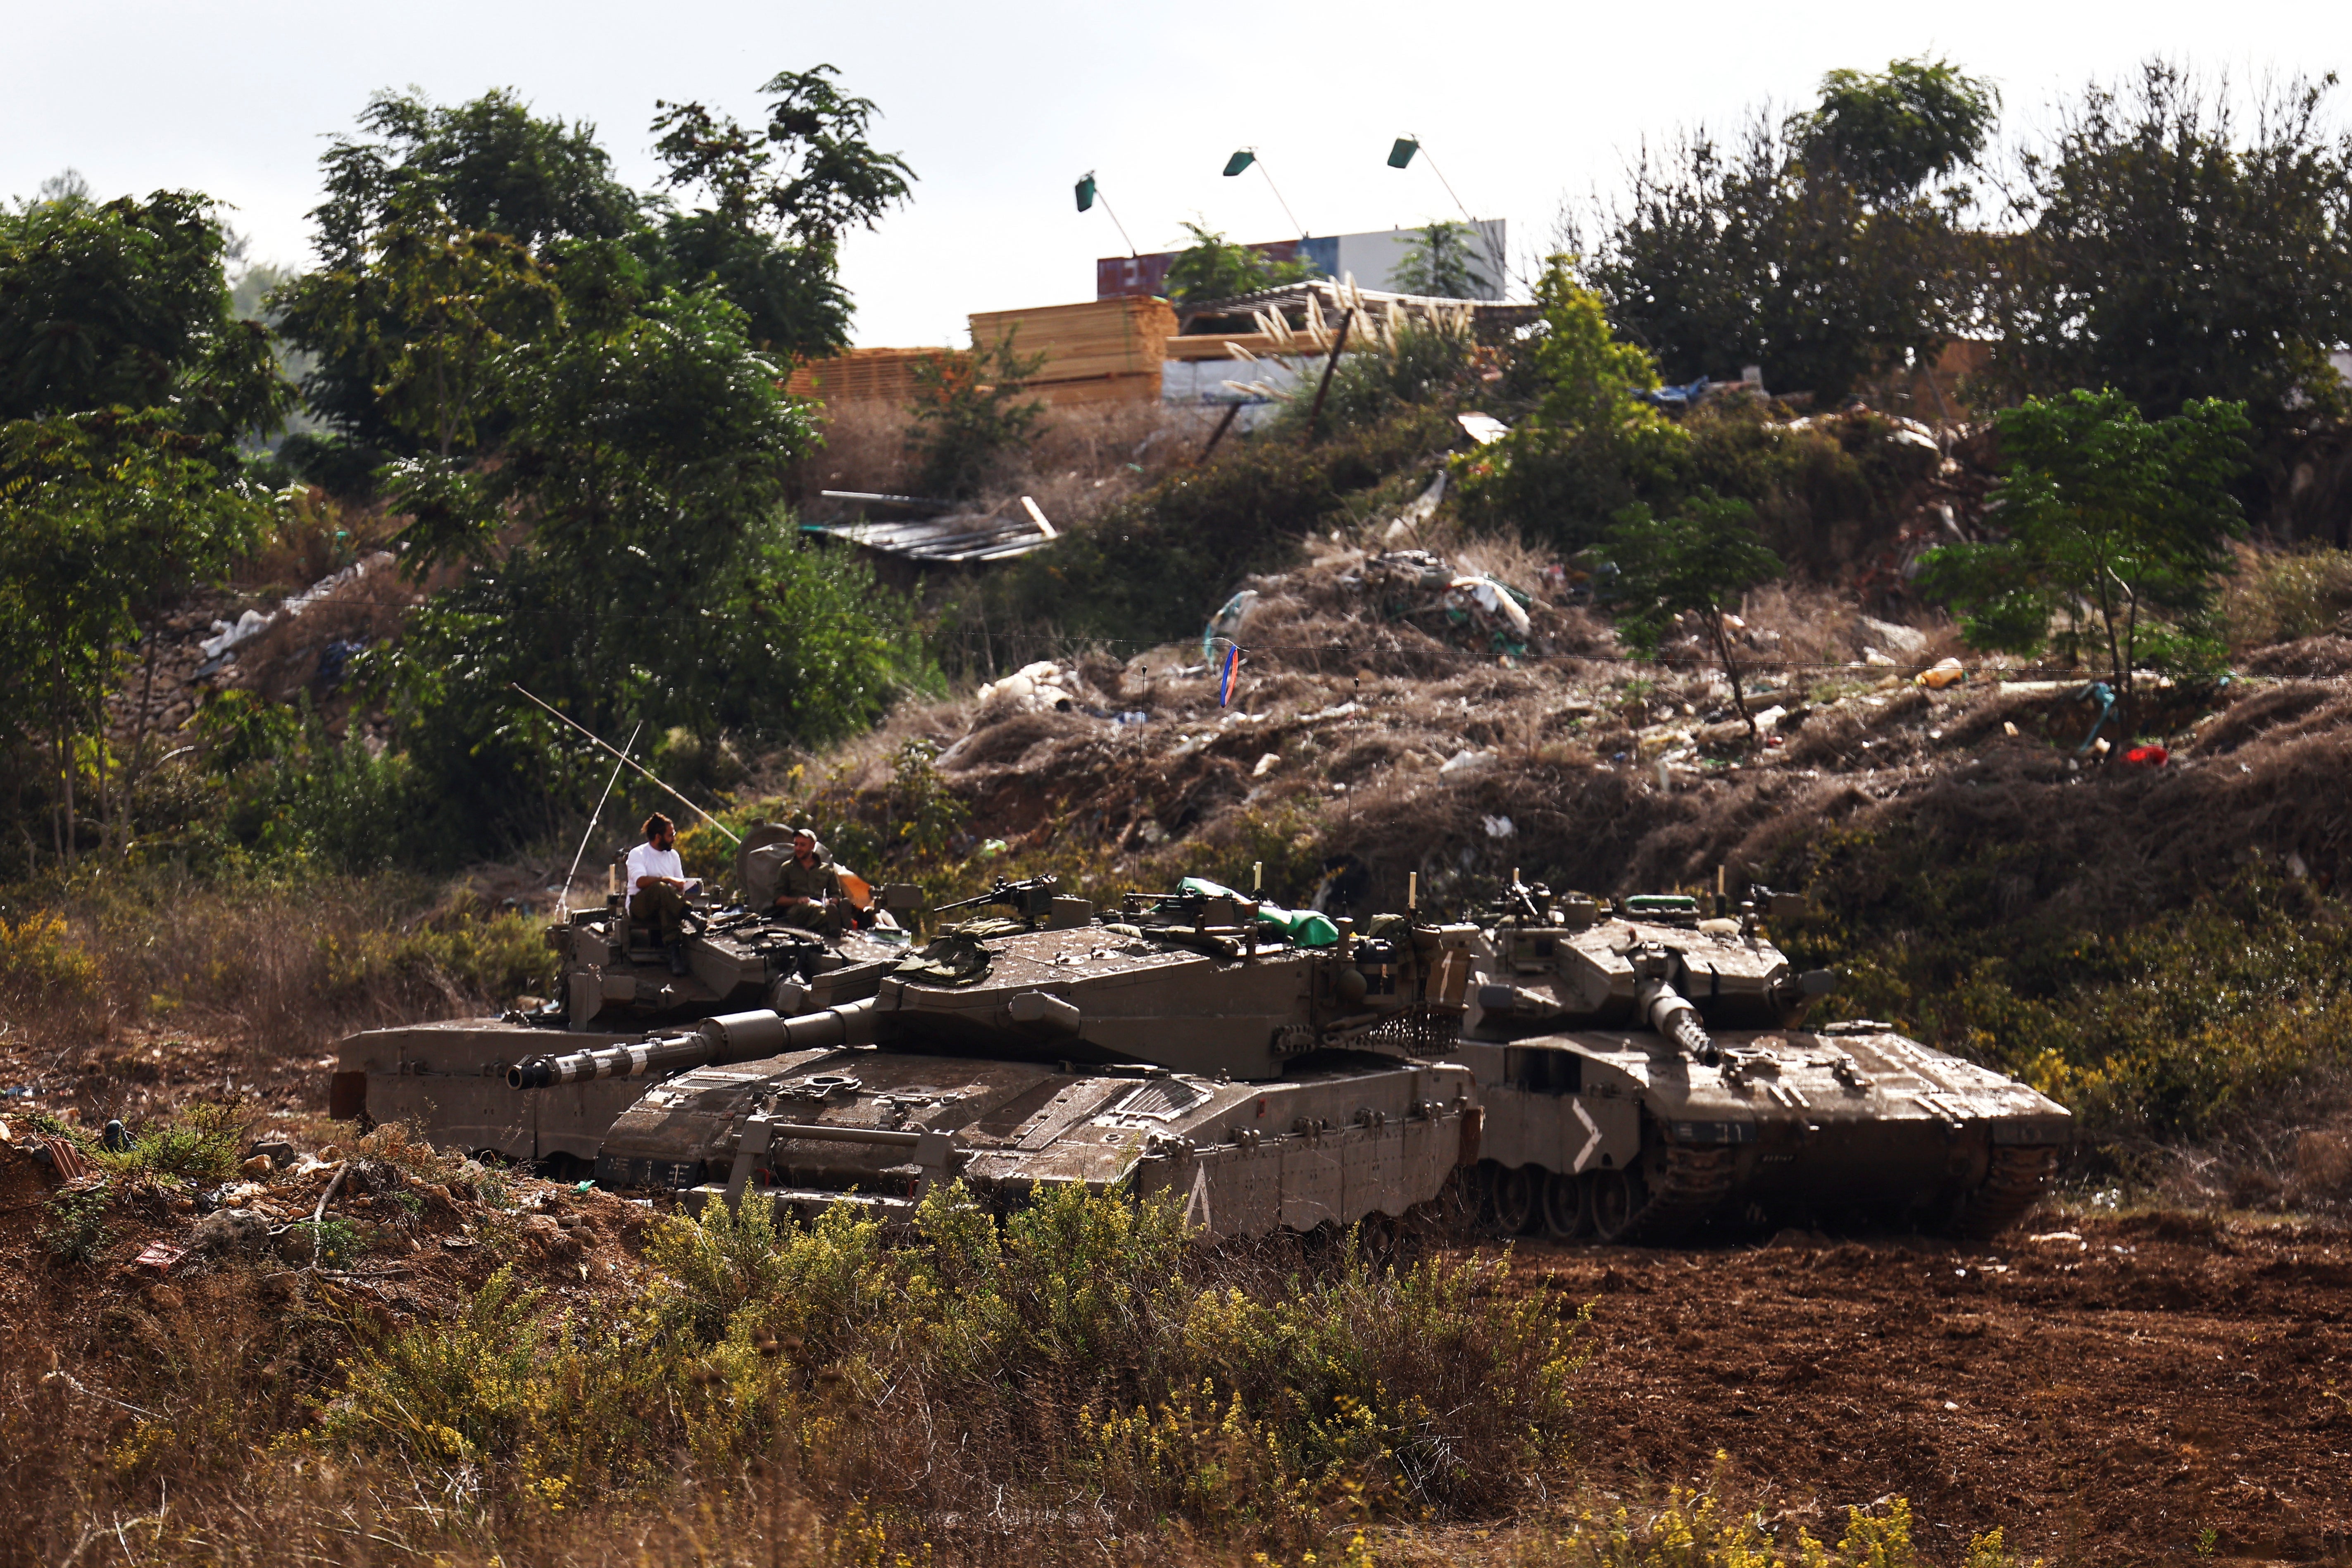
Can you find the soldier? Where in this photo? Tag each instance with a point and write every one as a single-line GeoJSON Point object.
{"type": "Point", "coordinates": [808, 887]}
{"type": "Point", "coordinates": [658, 889]}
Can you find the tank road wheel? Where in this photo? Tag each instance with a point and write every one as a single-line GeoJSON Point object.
{"type": "Point", "coordinates": [1615, 1199]}
{"type": "Point", "coordinates": [1567, 1207]}
{"type": "Point", "coordinates": [1517, 1193]}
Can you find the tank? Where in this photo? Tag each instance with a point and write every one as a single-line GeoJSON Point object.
{"type": "Point", "coordinates": [1645, 1068]}
{"type": "Point", "coordinates": [1618, 1075]}
{"type": "Point", "coordinates": [613, 986]}
{"type": "Point", "coordinates": [1175, 1044]}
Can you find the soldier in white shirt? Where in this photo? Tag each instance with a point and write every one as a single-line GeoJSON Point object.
{"type": "Point", "coordinates": [657, 885]}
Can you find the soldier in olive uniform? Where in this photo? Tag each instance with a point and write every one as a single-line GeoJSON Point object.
{"type": "Point", "coordinates": [808, 889]}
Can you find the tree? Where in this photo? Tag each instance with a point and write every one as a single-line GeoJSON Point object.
{"type": "Point", "coordinates": [98, 512]}
{"type": "Point", "coordinates": [125, 381]}
{"type": "Point", "coordinates": [1215, 268]}
{"type": "Point", "coordinates": [1698, 561]}
{"type": "Point", "coordinates": [426, 318]}
{"type": "Point", "coordinates": [658, 578]}
{"type": "Point", "coordinates": [780, 200]}
{"type": "Point", "coordinates": [123, 305]}
{"type": "Point", "coordinates": [1814, 248]}
{"type": "Point", "coordinates": [968, 417]}
{"type": "Point", "coordinates": [1444, 258]}
{"type": "Point", "coordinates": [2174, 257]}
{"type": "Point", "coordinates": [2114, 529]}
{"type": "Point", "coordinates": [1889, 134]}
{"type": "Point", "coordinates": [449, 174]}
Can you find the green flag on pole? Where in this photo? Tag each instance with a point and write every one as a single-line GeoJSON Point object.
{"type": "Point", "coordinates": [1238, 161]}
{"type": "Point", "coordinates": [1086, 194]}
{"type": "Point", "coordinates": [1402, 153]}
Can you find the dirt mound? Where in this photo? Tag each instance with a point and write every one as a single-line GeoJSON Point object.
{"type": "Point", "coordinates": [2307, 658]}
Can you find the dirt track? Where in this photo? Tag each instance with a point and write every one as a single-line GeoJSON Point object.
{"type": "Point", "coordinates": [2104, 1399]}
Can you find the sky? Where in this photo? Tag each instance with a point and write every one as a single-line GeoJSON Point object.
{"type": "Point", "coordinates": [1000, 108]}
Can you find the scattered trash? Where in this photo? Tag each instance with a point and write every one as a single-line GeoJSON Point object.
{"type": "Point", "coordinates": [2056, 1236]}
{"type": "Point", "coordinates": [1226, 624]}
{"type": "Point", "coordinates": [1040, 688]}
{"type": "Point", "coordinates": [456, 1243]}
{"type": "Point", "coordinates": [1133, 716]}
{"type": "Point", "coordinates": [989, 847]}
{"type": "Point", "coordinates": [1497, 827]}
{"type": "Point", "coordinates": [1465, 765]}
{"type": "Point", "coordinates": [1871, 656]}
{"type": "Point", "coordinates": [1483, 428]}
{"type": "Point", "coordinates": [2146, 756]}
{"type": "Point", "coordinates": [1944, 673]}
{"type": "Point", "coordinates": [63, 1158]}
{"type": "Point", "coordinates": [116, 1139]}
{"type": "Point", "coordinates": [1266, 765]}
{"type": "Point", "coordinates": [159, 1256]}
{"type": "Point", "coordinates": [2009, 728]}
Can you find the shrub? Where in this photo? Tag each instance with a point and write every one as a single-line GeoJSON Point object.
{"type": "Point", "coordinates": [1082, 1343]}
{"type": "Point", "coordinates": [201, 1144]}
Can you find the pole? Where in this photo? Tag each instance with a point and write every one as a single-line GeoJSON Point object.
{"type": "Point", "coordinates": [732, 836]}
{"type": "Point", "coordinates": [1338, 345]}
{"type": "Point", "coordinates": [1502, 271]}
{"type": "Point", "coordinates": [1277, 196]}
{"type": "Point", "coordinates": [565, 901]}
{"type": "Point", "coordinates": [1115, 224]}
{"type": "Point", "coordinates": [1218, 433]}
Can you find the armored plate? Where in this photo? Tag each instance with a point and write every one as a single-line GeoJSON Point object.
{"type": "Point", "coordinates": [1330, 1146]}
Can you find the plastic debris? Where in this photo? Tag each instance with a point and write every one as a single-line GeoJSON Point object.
{"type": "Point", "coordinates": [116, 1139]}
{"type": "Point", "coordinates": [1873, 656]}
{"type": "Point", "coordinates": [1497, 827]}
{"type": "Point", "coordinates": [1483, 428]}
{"type": "Point", "coordinates": [159, 1256]}
{"type": "Point", "coordinates": [1040, 688]}
{"type": "Point", "coordinates": [1226, 624]}
{"type": "Point", "coordinates": [1266, 765]}
{"type": "Point", "coordinates": [1465, 763]}
{"type": "Point", "coordinates": [2147, 756]}
{"type": "Point", "coordinates": [1944, 673]}
{"type": "Point", "coordinates": [1306, 928]}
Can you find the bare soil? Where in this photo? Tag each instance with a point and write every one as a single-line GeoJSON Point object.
{"type": "Point", "coordinates": [2103, 1389]}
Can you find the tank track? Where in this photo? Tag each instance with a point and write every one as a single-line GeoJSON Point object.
{"type": "Point", "coordinates": [1694, 1181]}
{"type": "Point", "coordinates": [2015, 1178]}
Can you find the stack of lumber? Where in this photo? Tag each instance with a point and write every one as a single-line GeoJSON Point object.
{"type": "Point", "coordinates": [1105, 351]}
{"type": "Point", "coordinates": [884, 375]}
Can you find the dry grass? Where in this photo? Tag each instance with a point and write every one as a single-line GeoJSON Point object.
{"type": "Point", "coordinates": [280, 966]}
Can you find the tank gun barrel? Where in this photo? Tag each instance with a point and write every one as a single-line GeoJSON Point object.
{"type": "Point", "coordinates": [731, 1037]}
{"type": "Point", "coordinates": [1671, 1014]}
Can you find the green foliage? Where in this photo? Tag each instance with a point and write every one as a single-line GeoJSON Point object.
{"type": "Point", "coordinates": [425, 316]}
{"type": "Point", "coordinates": [100, 513]}
{"type": "Point", "coordinates": [1089, 1328]}
{"type": "Point", "coordinates": [2147, 1021]}
{"type": "Point", "coordinates": [1382, 375]}
{"type": "Point", "coordinates": [968, 419]}
{"type": "Point", "coordinates": [2278, 597]}
{"type": "Point", "coordinates": [1888, 134]}
{"type": "Point", "coordinates": [660, 581]}
{"type": "Point", "coordinates": [1156, 566]}
{"type": "Point", "coordinates": [1446, 258]}
{"type": "Point", "coordinates": [780, 200]}
{"type": "Point", "coordinates": [1698, 562]}
{"type": "Point", "coordinates": [1801, 250]}
{"type": "Point", "coordinates": [2174, 258]}
{"type": "Point", "coordinates": [1215, 268]}
{"type": "Point", "coordinates": [201, 1144]}
{"type": "Point", "coordinates": [77, 1230]}
{"type": "Point", "coordinates": [2111, 525]}
{"type": "Point", "coordinates": [125, 305]}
